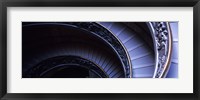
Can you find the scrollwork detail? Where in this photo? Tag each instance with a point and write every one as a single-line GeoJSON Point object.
{"type": "Point", "coordinates": [162, 43]}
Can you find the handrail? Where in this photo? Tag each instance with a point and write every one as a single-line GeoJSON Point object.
{"type": "Point", "coordinates": [129, 60]}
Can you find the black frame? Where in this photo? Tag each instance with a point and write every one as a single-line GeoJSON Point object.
{"type": "Point", "coordinates": [97, 3]}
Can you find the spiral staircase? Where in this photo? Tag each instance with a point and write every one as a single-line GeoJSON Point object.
{"type": "Point", "coordinates": [101, 49]}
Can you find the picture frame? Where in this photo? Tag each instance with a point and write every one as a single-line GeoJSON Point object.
{"type": "Point", "coordinates": [100, 3]}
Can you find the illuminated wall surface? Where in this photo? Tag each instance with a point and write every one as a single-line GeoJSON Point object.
{"type": "Point", "coordinates": [173, 71]}
{"type": "Point", "coordinates": [99, 49]}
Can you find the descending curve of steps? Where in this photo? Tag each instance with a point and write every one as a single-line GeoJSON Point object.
{"type": "Point", "coordinates": [59, 41]}
{"type": "Point", "coordinates": [141, 55]}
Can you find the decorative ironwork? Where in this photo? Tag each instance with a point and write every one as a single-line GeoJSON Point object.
{"type": "Point", "coordinates": [40, 69]}
{"type": "Point", "coordinates": [162, 41]}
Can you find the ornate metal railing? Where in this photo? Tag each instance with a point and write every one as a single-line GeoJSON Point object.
{"type": "Point", "coordinates": [43, 67]}
{"type": "Point", "coordinates": [162, 39]}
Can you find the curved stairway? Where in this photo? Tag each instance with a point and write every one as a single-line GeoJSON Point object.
{"type": "Point", "coordinates": [141, 55]}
